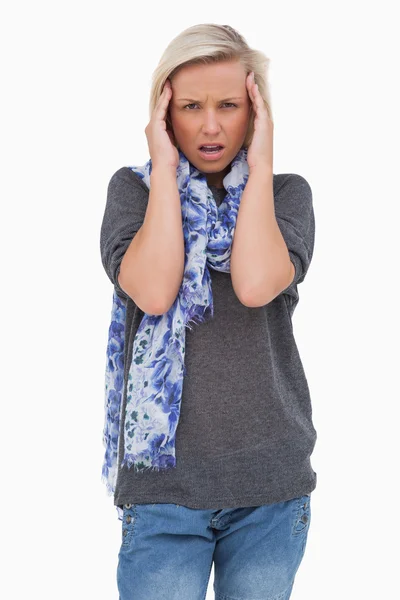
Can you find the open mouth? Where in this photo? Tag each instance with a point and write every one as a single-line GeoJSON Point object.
{"type": "Point", "coordinates": [211, 148]}
{"type": "Point", "coordinates": [211, 151]}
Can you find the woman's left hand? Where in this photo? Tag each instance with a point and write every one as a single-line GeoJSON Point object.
{"type": "Point", "coordinates": [260, 151]}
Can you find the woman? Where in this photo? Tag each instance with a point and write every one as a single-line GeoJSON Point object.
{"type": "Point", "coordinates": [208, 428]}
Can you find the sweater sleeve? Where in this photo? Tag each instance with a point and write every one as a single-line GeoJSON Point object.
{"type": "Point", "coordinates": [127, 199]}
{"type": "Point", "coordinates": [294, 213]}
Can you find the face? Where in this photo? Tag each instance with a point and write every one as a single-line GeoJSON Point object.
{"type": "Point", "coordinates": [210, 104]}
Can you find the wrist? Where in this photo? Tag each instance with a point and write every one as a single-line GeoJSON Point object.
{"type": "Point", "coordinates": [163, 170]}
{"type": "Point", "coordinates": [261, 172]}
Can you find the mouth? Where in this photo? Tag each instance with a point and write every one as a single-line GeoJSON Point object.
{"type": "Point", "coordinates": [211, 151]}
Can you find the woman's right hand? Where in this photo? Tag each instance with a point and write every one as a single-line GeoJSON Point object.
{"type": "Point", "coordinates": [159, 139]}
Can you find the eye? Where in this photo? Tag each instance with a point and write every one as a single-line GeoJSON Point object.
{"type": "Point", "coordinates": [194, 104]}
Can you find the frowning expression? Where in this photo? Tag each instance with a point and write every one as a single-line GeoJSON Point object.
{"type": "Point", "coordinates": [210, 105]}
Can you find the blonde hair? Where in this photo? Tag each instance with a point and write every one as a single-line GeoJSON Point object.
{"type": "Point", "coordinates": [209, 43]}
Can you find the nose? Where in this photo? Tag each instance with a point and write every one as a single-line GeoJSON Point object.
{"type": "Point", "coordinates": [211, 125]}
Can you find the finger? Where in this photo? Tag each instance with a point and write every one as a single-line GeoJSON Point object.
{"type": "Point", "coordinates": [252, 99]}
{"type": "Point", "coordinates": [163, 101]}
{"type": "Point", "coordinates": [250, 78]}
{"type": "Point", "coordinates": [250, 86]}
{"type": "Point", "coordinates": [256, 96]}
{"type": "Point", "coordinates": [165, 95]}
{"type": "Point", "coordinates": [166, 91]}
{"type": "Point", "coordinates": [259, 101]}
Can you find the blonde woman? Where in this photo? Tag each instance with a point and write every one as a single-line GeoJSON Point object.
{"type": "Point", "coordinates": [208, 428]}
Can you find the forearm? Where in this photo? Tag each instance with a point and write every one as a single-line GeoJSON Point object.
{"type": "Point", "coordinates": [260, 262]}
{"type": "Point", "coordinates": [152, 268]}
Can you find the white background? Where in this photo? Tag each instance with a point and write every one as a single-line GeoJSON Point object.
{"type": "Point", "coordinates": [76, 80]}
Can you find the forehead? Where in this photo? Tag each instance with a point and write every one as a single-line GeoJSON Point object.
{"type": "Point", "coordinates": [223, 78]}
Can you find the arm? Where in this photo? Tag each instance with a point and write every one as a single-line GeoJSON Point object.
{"type": "Point", "coordinates": [141, 241]}
{"type": "Point", "coordinates": [294, 215]}
{"type": "Point", "coordinates": [152, 267]}
{"type": "Point", "coordinates": [260, 263]}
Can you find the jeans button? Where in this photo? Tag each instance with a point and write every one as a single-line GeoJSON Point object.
{"type": "Point", "coordinates": [304, 518]}
{"type": "Point", "coordinates": [128, 519]}
{"type": "Point", "coordinates": [128, 505]}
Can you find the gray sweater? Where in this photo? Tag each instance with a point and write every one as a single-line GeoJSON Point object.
{"type": "Point", "coordinates": [245, 433]}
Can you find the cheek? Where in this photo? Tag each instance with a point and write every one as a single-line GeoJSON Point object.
{"type": "Point", "coordinates": [242, 115]}
{"type": "Point", "coordinates": [180, 124]}
{"type": "Point", "coordinates": [242, 121]}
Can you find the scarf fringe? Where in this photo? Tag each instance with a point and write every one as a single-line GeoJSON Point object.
{"type": "Point", "coordinates": [208, 313]}
{"type": "Point", "coordinates": [140, 467]}
{"type": "Point", "coordinates": [109, 488]}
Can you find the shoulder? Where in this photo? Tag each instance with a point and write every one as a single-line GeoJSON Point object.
{"type": "Point", "coordinates": [293, 199]}
{"type": "Point", "coordinates": [125, 176]}
{"type": "Point", "coordinates": [291, 183]}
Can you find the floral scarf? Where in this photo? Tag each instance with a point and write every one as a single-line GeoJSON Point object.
{"type": "Point", "coordinates": [155, 377]}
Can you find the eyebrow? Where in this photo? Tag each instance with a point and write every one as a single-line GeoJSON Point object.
{"type": "Point", "coordinates": [199, 101]}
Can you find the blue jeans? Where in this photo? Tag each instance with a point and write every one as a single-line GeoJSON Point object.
{"type": "Point", "coordinates": [167, 551]}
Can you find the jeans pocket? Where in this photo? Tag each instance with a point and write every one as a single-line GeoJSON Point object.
{"type": "Point", "coordinates": [128, 523]}
{"type": "Point", "coordinates": [302, 515]}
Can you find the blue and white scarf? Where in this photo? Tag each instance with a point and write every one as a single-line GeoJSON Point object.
{"type": "Point", "coordinates": [155, 378]}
